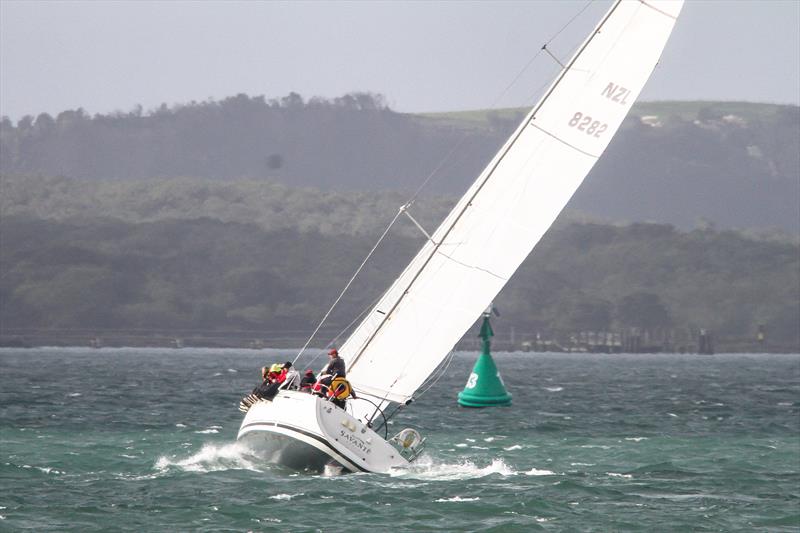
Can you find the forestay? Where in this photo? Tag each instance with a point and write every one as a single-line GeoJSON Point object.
{"type": "Point", "coordinates": [509, 207]}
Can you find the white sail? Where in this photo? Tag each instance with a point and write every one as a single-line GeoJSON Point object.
{"type": "Point", "coordinates": [510, 206]}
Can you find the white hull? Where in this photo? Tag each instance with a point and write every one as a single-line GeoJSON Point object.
{"type": "Point", "coordinates": [304, 432]}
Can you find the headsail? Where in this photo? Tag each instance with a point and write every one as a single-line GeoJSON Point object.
{"type": "Point", "coordinates": [510, 206]}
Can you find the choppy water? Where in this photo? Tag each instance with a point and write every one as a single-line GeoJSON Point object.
{"type": "Point", "coordinates": [144, 440]}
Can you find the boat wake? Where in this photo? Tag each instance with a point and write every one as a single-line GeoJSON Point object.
{"type": "Point", "coordinates": [429, 469]}
{"type": "Point", "coordinates": [212, 458]}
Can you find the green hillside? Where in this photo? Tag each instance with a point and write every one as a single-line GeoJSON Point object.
{"type": "Point", "coordinates": [731, 164]}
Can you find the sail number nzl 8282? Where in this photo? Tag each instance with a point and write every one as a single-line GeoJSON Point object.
{"type": "Point", "coordinates": [614, 92]}
{"type": "Point", "coordinates": [585, 123]}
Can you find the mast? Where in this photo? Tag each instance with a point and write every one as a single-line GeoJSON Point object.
{"type": "Point", "coordinates": [530, 117]}
{"type": "Point", "coordinates": [505, 212]}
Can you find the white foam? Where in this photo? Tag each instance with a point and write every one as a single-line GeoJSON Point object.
{"type": "Point", "coordinates": [614, 474]}
{"type": "Point", "coordinates": [285, 497]}
{"type": "Point", "coordinates": [426, 468]}
{"type": "Point", "coordinates": [180, 425]}
{"type": "Point", "coordinates": [636, 439]}
{"type": "Point", "coordinates": [207, 431]}
{"type": "Point", "coordinates": [554, 389]}
{"type": "Point", "coordinates": [210, 458]}
{"type": "Point", "coordinates": [457, 499]}
{"type": "Point", "coordinates": [673, 415]}
{"type": "Point", "coordinates": [74, 394]}
{"type": "Point", "coordinates": [512, 448]}
{"type": "Point", "coordinates": [537, 472]}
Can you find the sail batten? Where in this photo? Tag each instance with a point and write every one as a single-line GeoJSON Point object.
{"type": "Point", "coordinates": [507, 210]}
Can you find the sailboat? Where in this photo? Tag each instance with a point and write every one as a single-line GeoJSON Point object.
{"type": "Point", "coordinates": [465, 263]}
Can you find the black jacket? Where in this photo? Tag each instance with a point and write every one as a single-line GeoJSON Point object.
{"type": "Point", "coordinates": [336, 367]}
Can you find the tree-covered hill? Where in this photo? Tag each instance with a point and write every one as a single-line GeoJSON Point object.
{"type": "Point", "coordinates": [271, 206]}
{"type": "Point", "coordinates": [249, 215]}
{"type": "Point", "coordinates": [735, 165]}
{"type": "Point", "coordinates": [95, 274]}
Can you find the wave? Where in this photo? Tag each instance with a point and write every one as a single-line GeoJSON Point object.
{"type": "Point", "coordinates": [456, 499]}
{"type": "Point", "coordinates": [536, 472]}
{"type": "Point", "coordinates": [286, 497]}
{"type": "Point", "coordinates": [429, 469]}
{"type": "Point", "coordinates": [211, 458]}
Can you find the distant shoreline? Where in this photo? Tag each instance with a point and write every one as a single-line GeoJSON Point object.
{"type": "Point", "coordinates": [465, 345]}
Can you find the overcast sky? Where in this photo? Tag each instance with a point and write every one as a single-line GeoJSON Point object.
{"type": "Point", "coordinates": [423, 56]}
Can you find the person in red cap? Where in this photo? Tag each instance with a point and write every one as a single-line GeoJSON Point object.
{"type": "Point", "coordinates": [334, 368]}
{"type": "Point", "coordinates": [308, 380]}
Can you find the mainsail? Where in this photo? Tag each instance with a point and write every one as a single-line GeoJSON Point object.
{"type": "Point", "coordinates": [514, 201]}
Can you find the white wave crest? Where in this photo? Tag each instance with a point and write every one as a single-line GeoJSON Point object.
{"type": "Point", "coordinates": [426, 468]}
{"type": "Point", "coordinates": [285, 496]}
{"type": "Point", "coordinates": [537, 472]}
{"type": "Point", "coordinates": [457, 499]}
{"type": "Point", "coordinates": [211, 458]}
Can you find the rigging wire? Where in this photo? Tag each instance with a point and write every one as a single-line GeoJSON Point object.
{"type": "Point", "coordinates": [332, 342]}
{"type": "Point", "coordinates": [441, 373]}
{"type": "Point", "coordinates": [341, 294]}
{"type": "Point", "coordinates": [427, 180]}
{"type": "Point", "coordinates": [494, 103]}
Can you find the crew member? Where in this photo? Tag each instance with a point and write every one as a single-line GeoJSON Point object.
{"type": "Point", "coordinates": [289, 378]}
{"type": "Point", "coordinates": [334, 368]}
{"type": "Point", "coordinates": [308, 380]}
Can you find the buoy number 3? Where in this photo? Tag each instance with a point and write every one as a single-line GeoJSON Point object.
{"type": "Point", "coordinates": [472, 381]}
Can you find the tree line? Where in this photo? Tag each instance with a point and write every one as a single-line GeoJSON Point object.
{"type": "Point", "coordinates": [211, 275]}
{"type": "Point", "coordinates": [733, 164]}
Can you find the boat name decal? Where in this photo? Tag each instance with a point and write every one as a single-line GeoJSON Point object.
{"type": "Point", "coordinates": [355, 441]}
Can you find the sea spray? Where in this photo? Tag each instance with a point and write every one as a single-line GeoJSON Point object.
{"type": "Point", "coordinates": [212, 458]}
{"type": "Point", "coordinates": [429, 469]}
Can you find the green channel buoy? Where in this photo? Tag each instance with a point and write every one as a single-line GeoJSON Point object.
{"type": "Point", "coordinates": [484, 387]}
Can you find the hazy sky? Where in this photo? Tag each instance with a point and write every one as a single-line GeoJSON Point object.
{"type": "Point", "coordinates": [423, 56]}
